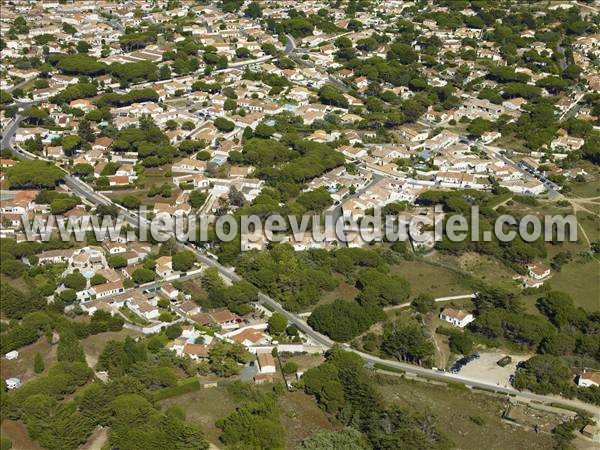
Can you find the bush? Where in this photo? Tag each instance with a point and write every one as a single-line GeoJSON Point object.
{"type": "Point", "coordinates": [461, 343]}
{"type": "Point", "coordinates": [183, 387]}
{"type": "Point", "coordinates": [290, 367]}
{"type": "Point", "coordinates": [277, 323]}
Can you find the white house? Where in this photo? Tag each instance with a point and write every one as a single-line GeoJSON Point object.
{"type": "Point", "coordinates": [589, 379]}
{"type": "Point", "coordinates": [537, 271]}
{"type": "Point", "coordinates": [13, 383]}
{"type": "Point", "coordinates": [12, 355]}
{"type": "Point", "coordinates": [164, 266]}
{"type": "Point", "coordinates": [457, 317]}
{"type": "Point", "coordinates": [144, 309]}
{"type": "Point", "coordinates": [170, 291]}
{"type": "Point", "coordinates": [106, 289]}
{"type": "Point", "coordinates": [189, 331]}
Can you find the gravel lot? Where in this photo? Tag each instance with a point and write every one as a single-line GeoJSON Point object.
{"type": "Point", "coordinates": [486, 369]}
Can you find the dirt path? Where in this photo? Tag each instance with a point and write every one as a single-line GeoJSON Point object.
{"type": "Point", "coordinates": [17, 433]}
{"type": "Point", "coordinates": [578, 205]}
{"type": "Point", "coordinates": [97, 440]}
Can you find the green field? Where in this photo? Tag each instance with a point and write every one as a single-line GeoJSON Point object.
{"type": "Point", "coordinates": [581, 281]}
{"type": "Point", "coordinates": [205, 407]}
{"type": "Point", "coordinates": [299, 413]}
{"type": "Point", "coordinates": [427, 278]}
{"type": "Point", "coordinates": [94, 345]}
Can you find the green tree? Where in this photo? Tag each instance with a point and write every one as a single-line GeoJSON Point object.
{"type": "Point", "coordinates": [224, 125]}
{"type": "Point", "coordinates": [423, 303]}
{"type": "Point", "coordinates": [254, 11]}
{"type": "Point", "coordinates": [143, 275]}
{"type": "Point", "coordinates": [38, 363]}
{"type": "Point", "coordinates": [184, 260]}
{"type": "Point", "coordinates": [5, 97]}
{"type": "Point", "coordinates": [461, 343]}
{"type": "Point", "coordinates": [75, 281]}
{"type": "Point", "coordinates": [34, 174]}
{"type": "Point", "coordinates": [347, 439]}
{"type": "Point", "coordinates": [277, 323]}
{"type": "Point", "coordinates": [97, 279]}
{"type": "Point", "coordinates": [117, 261]}
{"type": "Point", "coordinates": [408, 342]}
{"type": "Point", "coordinates": [197, 198]}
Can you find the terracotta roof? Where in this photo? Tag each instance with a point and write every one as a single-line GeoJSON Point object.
{"type": "Point", "coordinates": [455, 313]}
{"type": "Point", "coordinates": [196, 349]}
{"type": "Point", "coordinates": [592, 376]}
{"type": "Point", "coordinates": [265, 359]}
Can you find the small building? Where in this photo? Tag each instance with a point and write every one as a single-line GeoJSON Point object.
{"type": "Point", "coordinates": [12, 383]}
{"type": "Point", "coordinates": [170, 291]}
{"type": "Point", "coordinates": [592, 431]}
{"type": "Point", "coordinates": [537, 271]}
{"type": "Point", "coordinates": [190, 308]}
{"type": "Point", "coordinates": [106, 289]}
{"type": "Point", "coordinates": [261, 378]}
{"type": "Point", "coordinates": [589, 378]}
{"type": "Point", "coordinates": [197, 352]}
{"type": "Point", "coordinates": [457, 317]}
{"type": "Point", "coordinates": [12, 355]}
{"type": "Point", "coordinates": [266, 362]}
{"type": "Point", "coordinates": [250, 337]}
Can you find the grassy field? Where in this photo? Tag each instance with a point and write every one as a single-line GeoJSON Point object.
{"type": "Point", "coordinates": [22, 367]}
{"type": "Point", "coordinates": [93, 345]}
{"type": "Point", "coordinates": [17, 433]}
{"type": "Point", "coordinates": [152, 178]}
{"type": "Point", "coordinates": [301, 417]}
{"type": "Point", "coordinates": [304, 361]}
{"type": "Point", "coordinates": [343, 291]}
{"type": "Point", "coordinates": [205, 407]}
{"type": "Point", "coordinates": [431, 279]}
{"type": "Point", "coordinates": [590, 224]}
{"type": "Point", "coordinates": [194, 288]}
{"type": "Point", "coordinates": [456, 413]}
{"type": "Point", "coordinates": [591, 188]}
{"type": "Point", "coordinates": [580, 280]}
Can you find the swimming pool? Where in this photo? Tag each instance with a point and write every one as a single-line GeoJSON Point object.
{"type": "Point", "coordinates": [87, 273]}
{"type": "Point", "coordinates": [218, 159]}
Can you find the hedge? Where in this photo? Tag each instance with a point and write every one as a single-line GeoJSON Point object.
{"type": "Point", "coordinates": [387, 368]}
{"type": "Point", "coordinates": [189, 385]}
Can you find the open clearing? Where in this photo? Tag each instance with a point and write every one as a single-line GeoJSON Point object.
{"type": "Point", "coordinates": [301, 417]}
{"type": "Point", "coordinates": [486, 369]}
{"type": "Point", "coordinates": [17, 433]}
{"type": "Point", "coordinates": [22, 367]}
{"type": "Point", "coordinates": [431, 279]}
{"type": "Point", "coordinates": [93, 345]}
{"type": "Point", "coordinates": [205, 407]}
{"type": "Point", "coordinates": [457, 411]}
{"type": "Point", "coordinates": [580, 280]}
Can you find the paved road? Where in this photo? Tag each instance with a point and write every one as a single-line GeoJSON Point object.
{"type": "Point", "coordinates": [290, 45]}
{"type": "Point", "coordinates": [553, 188]}
{"type": "Point", "coordinates": [86, 192]}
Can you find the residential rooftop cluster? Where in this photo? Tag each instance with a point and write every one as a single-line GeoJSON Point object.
{"type": "Point", "coordinates": [316, 108]}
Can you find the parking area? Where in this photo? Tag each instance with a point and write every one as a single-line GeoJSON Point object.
{"type": "Point", "coordinates": [486, 368]}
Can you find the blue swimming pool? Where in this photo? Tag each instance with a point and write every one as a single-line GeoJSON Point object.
{"type": "Point", "coordinates": [218, 159]}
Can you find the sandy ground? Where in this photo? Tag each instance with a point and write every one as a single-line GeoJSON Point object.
{"type": "Point", "coordinates": [486, 369]}
{"type": "Point", "coordinates": [96, 440]}
{"type": "Point", "coordinates": [17, 433]}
